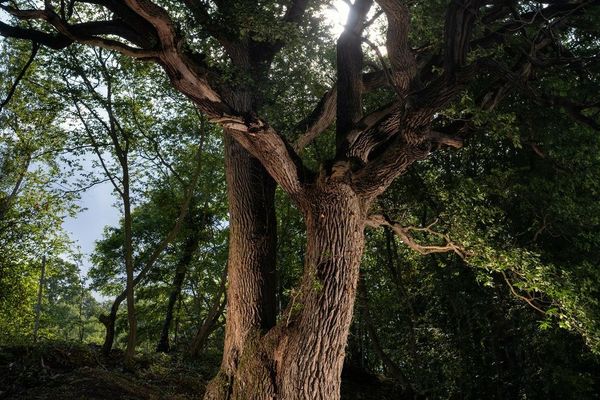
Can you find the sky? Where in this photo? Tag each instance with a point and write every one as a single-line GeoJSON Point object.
{"type": "Point", "coordinates": [87, 226]}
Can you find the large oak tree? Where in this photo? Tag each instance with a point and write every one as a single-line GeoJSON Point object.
{"type": "Point", "coordinates": [500, 44]}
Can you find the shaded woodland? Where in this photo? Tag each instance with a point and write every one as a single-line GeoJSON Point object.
{"type": "Point", "coordinates": [403, 208]}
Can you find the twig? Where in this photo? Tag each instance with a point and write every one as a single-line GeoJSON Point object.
{"type": "Point", "coordinates": [526, 299]}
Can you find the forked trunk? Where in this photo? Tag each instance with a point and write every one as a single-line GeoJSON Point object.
{"type": "Point", "coordinates": [302, 357]}
{"type": "Point", "coordinates": [109, 321]}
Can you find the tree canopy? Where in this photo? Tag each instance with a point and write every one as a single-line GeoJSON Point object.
{"type": "Point", "coordinates": [437, 164]}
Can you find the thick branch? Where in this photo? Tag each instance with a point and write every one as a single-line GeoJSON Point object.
{"type": "Point", "coordinates": [324, 113]}
{"type": "Point", "coordinates": [401, 57]}
{"type": "Point", "coordinates": [264, 143]}
{"type": "Point", "coordinates": [187, 73]}
{"type": "Point", "coordinates": [55, 42]}
{"type": "Point", "coordinates": [82, 33]}
{"type": "Point", "coordinates": [393, 160]}
{"type": "Point", "coordinates": [349, 72]}
{"type": "Point", "coordinates": [460, 19]}
{"type": "Point", "coordinates": [448, 140]}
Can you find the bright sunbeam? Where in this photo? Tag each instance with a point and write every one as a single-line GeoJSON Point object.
{"type": "Point", "coordinates": [336, 15]}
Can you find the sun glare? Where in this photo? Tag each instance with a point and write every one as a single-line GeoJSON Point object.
{"type": "Point", "coordinates": [336, 15]}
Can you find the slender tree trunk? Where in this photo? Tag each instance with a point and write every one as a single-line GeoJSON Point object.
{"type": "Point", "coordinates": [81, 321]}
{"type": "Point", "coordinates": [302, 357]}
{"type": "Point", "coordinates": [38, 305]}
{"type": "Point", "coordinates": [128, 246]}
{"type": "Point", "coordinates": [110, 319]}
{"type": "Point", "coordinates": [190, 248]}
{"type": "Point", "coordinates": [210, 322]}
{"type": "Point", "coordinates": [208, 326]}
{"type": "Point", "coordinates": [251, 261]}
{"type": "Point", "coordinates": [177, 317]}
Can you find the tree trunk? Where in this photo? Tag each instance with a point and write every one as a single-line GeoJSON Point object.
{"type": "Point", "coordinates": [251, 260]}
{"type": "Point", "coordinates": [38, 305]}
{"type": "Point", "coordinates": [109, 324]}
{"type": "Point", "coordinates": [188, 252]}
{"type": "Point", "coordinates": [210, 322]}
{"type": "Point", "coordinates": [129, 288]}
{"type": "Point", "coordinates": [209, 325]}
{"type": "Point", "coordinates": [302, 357]}
{"type": "Point", "coordinates": [81, 321]}
{"type": "Point", "coordinates": [310, 356]}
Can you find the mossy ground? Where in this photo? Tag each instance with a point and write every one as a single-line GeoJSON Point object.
{"type": "Point", "coordinates": [68, 371]}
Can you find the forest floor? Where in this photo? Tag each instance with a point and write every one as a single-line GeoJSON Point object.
{"type": "Point", "coordinates": [71, 371]}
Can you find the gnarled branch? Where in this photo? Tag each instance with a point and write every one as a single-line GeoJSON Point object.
{"type": "Point", "coordinates": [405, 235]}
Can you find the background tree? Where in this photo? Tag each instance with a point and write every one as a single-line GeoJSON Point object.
{"type": "Point", "coordinates": [32, 202]}
{"type": "Point", "coordinates": [123, 134]}
{"type": "Point", "coordinates": [203, 226]}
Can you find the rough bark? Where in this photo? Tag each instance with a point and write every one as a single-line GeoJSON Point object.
{"type": "Point", "coordinates": [310, 356]}
{"type": "Point", "coordinates": [251, 263]}
{"type": "Point", "coordinates": [302, 357]}
{"type": "Point", "coordinates": [349, 72]}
